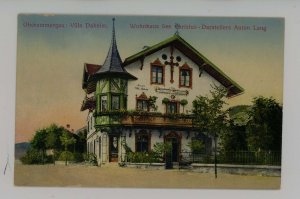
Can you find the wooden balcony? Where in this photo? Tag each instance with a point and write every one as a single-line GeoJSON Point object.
{"type": "Point", "coordinates": [153, 119]}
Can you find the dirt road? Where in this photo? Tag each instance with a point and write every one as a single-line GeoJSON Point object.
{"type": "Point", "coordinates": [113, 176]}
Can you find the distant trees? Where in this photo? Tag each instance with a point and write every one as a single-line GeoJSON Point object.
{"type": "Point", "coordinates": [264, 130]}
{"type": "Point", "coordinates": [254, 128]}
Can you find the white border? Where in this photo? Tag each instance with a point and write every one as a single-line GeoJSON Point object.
{"type": "Point", "coordinates": [270, 8]}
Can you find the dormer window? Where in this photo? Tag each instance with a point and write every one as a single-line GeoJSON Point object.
{"type": "Point", "coordinates": [185, 76]}
{"type": "Point", "coordinates": [157, 72]}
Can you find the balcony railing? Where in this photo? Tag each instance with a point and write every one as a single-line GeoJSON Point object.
{"type": "Point", "coordinates": [131, 118]}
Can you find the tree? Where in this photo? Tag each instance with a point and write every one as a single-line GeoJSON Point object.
{"type": "Point", "coordinates": [196, 146]}
{"type": "Point", "coordinates": [66, 140]}
{"type": "Point", "coordinates": [234, 138]}
{"type": "Point", "coordinates": [264, 130]}
{"type": "Point", "coordinates": [53, 137]}
{"type": "Point", "coordinates": [38, 142]}
{"type": "Point", "coordinates": [81, 141]}
{"type": "Point", "coordinates": [210, 116]}
{"type": "Point", "coordinates": [183, 103]}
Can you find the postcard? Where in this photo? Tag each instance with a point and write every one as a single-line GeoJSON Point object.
{"type": "Point", "coordinates": [149, 101]}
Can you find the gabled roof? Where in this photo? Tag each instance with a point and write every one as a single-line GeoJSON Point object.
{"type": "Point", "coordinates": [88, 71]}
{"type": "Point", "coordinates": [189, 51]}
{"type": "Point", "coordinates": [113, 64]}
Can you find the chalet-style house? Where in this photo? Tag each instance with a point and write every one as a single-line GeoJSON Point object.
{"type": "Point", "coordinates": [147, 98]}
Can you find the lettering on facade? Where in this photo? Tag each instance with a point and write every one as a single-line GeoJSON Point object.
{"type": "Point", "coordinates": [171, 91]}
{"type": "Point", "coordinates": [141, 87]}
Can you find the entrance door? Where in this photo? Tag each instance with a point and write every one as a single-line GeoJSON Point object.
{"type": "Point", "coordinates": [175, 149]}
{"type": "Point", "coordinates": [113, 148]}
{"type": "Point", "coordinates": [175, 141]}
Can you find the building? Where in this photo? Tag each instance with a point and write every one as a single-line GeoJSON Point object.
{"type": "Point", "coordinates": [147, 98]}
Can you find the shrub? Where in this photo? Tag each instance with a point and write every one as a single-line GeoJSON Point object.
{"type": "Point", "coordinates": [33, 156]}
{"type": "Point", "coordinates": [90, 158]}
{"type": "Point", "coordinates": [197, 146]}
{"type": "Point", "coordinates": [143, 157]}
{"type": "Point", "coordinates": [78, 157]}
{"type": "Point", "coordinates": [66, 156]}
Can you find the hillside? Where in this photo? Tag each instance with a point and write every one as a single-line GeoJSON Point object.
{"type": "Point", "coordinates": [20, 149]}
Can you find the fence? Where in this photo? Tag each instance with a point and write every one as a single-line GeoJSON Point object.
{"type": "Point", "coordinates": [235, 157]}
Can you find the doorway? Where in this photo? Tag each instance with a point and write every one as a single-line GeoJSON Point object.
{"type": "Point", "coordinates": [113, 148]}
{"type": "Point", "coordinates": [175, 140]}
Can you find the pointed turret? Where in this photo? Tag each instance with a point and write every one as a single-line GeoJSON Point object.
{"type": "Point", "coordinates": [113, 64]}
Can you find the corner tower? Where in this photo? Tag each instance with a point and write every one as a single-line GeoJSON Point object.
{"type": "Point", "coordinates": [111, 87]}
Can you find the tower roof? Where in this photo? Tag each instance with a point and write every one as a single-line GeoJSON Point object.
{"type": "Point", "coordinates": [113, 64]}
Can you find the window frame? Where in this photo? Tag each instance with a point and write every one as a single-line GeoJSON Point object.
{"type": "Point", "coordinates": [119, 102]}
{"type": "Point", "coordinates": [102, 103]}
{"type": "Point", "coordinates": [157, 64]}
{"type": "Point", "coordinates": [176, 105]}
{"type": "Point", "coordinates": [142, 98]}
{"type": "Point", "coordinates": [143, 133]}
{"type": "Point", "coordinates": [185, 67]}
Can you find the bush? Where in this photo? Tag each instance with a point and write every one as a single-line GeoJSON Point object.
{"type": "Point", "coordinates": [143, 157]}
{"type": "Point", "coordinates": [78, 157]}
{"type": "Point", "coordinates": [33, 156]}
{"type": "Point", "coordinates": [66, 156]}
{"type": "Point", "coordinates": [196, 146]}
{"type": "Point", "coordinates": [90, 158]}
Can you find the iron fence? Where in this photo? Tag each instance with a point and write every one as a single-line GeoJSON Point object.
{"type": "Point", "coordinates": [235, 157]}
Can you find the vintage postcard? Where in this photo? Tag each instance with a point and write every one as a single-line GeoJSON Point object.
{"type": "Point", "coordinates": [149, 101]}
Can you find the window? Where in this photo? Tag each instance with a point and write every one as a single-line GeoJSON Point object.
{"type": "Point", "coordinates": [142, 102]}
{"type": "Point", "coordinates": [172, 107]}
{"type": "Point", "coordinates": [125, 102]}
{"type": "Point", "coordinates": [115, 102]}
{"type": "Point", "coordinates": [104, 103]}
{"type": "Point", "coordinates": [157, 74]}
{"type": "Point", "coordinates": [142, 105]}
{"type": "Point", "coordinates": [185, 76]}
{"type": "Point", "coordinates": [142, 142]}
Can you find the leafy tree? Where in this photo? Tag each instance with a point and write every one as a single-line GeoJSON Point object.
{"type": "Point", "coordinates": [264, 130]}
{"type": "Point", "coordinates": [66, 140]}
{"type": "Point", "coordinates": [196, 146]}
{"type": "Point", "coordinates": [39, 144]}
{"type": "Point", "coordinates": [39, 140]}
{"type": "Point", "coordinates": [234, 138]}
{"type": "Point", "coordinates": [209, 114]}
{"type": "Point", "coordinates": [183, 103]}
{"type": "Point", "coordinates": [53, 134]}
{"type": "Point", "coordinates": [81, 141]}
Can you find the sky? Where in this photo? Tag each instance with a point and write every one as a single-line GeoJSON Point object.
{"type": "Point", "coordinates": [50, 59]}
